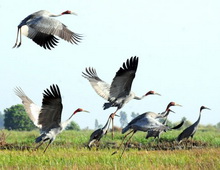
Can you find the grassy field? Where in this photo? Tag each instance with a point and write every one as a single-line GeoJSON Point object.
{"type": "Point", "coordinates": [69, 151]}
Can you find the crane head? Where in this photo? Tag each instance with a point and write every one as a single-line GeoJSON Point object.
{"type": "Point", "coordinates": [203, 107]}
{"type": "Point", "coordinates": [152, 93]}
{"type": "Point", "coordinates": [80, 110]}
{"type": "Point", "coordinates": [68, 12]}
{"type": "Point", "coordinates": [172, 104]}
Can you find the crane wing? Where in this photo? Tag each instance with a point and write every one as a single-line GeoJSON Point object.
{"type": "Point", "coordinates": [97, 134]}
{"type": "Point", "coordinates": [101, 87]}
{"type": "Point", "coordinates": [149, 123]}
{"type": "Point", "coordinates": [139, 117]}
{"type": "Point", "coordinates": [50, 26]}
{"type": "Point", "coordinates": [47, 41]}
{"type": "Point", "coordinates": [50, 115]}
{"type": "Point", "coordinates": [30, 107]}
{"type": "Point", "coordinates": [121, 84]}
{"type": "Point", "coordinates": [145, 122]}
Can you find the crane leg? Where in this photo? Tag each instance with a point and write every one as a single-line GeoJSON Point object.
{"type": "Point", "coordinates": [122, 141]}
{"type": "Point", "coordinates": [113, 115]}
{"type": "Point", "coordinates": [16, 39]}
{"type": "Point", "coordinates": [126, 144]}
{"type": "Point", "coordinates": [112, 128]}
{"type": "Point", "coordinates": [38, 146]}
{"type": "Point", "coordinates": [47, 146]}
{"type": "Point", "coordinates": [20, 39]}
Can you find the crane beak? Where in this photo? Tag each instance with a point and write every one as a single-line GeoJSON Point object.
{"type": "Point", "coordinates": [178, 105]}
{"type": "Point", "coordinates": [157, 94]}
{"type": "Point", "coordinates": [85, 111]}
{"type": "Point", "coordinates": [73, 13]}
{"type": "Point", "coordinates": [207, 108]}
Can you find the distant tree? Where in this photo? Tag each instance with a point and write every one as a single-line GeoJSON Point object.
{"type": "Point", "coordinates": [96, 124]}
{"type": "Point", "coordinates": [1, 120]}
{"type": "Point", "coordinates": [17, 119]}
{"type": "Point", "coordinates": [218, 125]}
{"type": "Point", "coordinates": [73, 126]}
{"type": "Point", "coordinates": [123, 119]}
{"type": "Point", "coordinates": [134, 115]}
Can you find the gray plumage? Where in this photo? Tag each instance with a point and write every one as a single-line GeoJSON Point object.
{"type": "Point", "coordinates": [43, 29]}
{"type": "Point", "coordinates": [144, 122]}
{"type": "Point", "coordinates": [191, 130]}
{"type": "Point", "coordinates": [151, 115]}
{"type": "Point", "coordinates": [157, 133]}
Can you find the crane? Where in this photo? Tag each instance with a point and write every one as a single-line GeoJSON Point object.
{"type": "Point", "coordinates": [191, 130]}
{"type": "Point", "coordinates": [157, 133]}
{"type": "Point", "coordinates": [146, 122]}
{"type": "Point", "coordinates": [48, 116]}
{"type": "Point", "coordinates": [119, 92]}
{"type": "Point", "coordinates": [99, 133]}
{"type": "Point", "coordinates": [43, 29]}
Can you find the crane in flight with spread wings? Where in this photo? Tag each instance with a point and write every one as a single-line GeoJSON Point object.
{"type": "Point", "coordinates": [42, 28]}
{"type": "Point", "coordinates": [119, 92]}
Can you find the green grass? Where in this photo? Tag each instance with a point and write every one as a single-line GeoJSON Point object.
{"type": "Point", "coordinates": [68, 151]}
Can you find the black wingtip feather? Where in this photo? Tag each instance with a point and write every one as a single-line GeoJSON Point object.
{"type": "Point", "coordinates": [53, 93]}
{"type": "Point", "coordinates": [130, 65]}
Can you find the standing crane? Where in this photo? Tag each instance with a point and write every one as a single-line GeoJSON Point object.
{"type": "Point", "coordinates": [191, 130]}
{"type": "Point", "coordinates": [157, 133]}
{"type": "Point", "coordinates": [143, 122]}
{"type": "Point", "coordinates": [48, 116]}
{"type": "Point", "coordinates": [146, 122]}
{"type": "Point", "coordinates": [99, 133]}
{"type": "Point", "coordinates": [119, 92]}
{"type": "Point", "coordinates": [42, 29]}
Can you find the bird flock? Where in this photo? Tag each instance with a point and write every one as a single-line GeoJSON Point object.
{"type": "Point", "coordinates": [44, 30]}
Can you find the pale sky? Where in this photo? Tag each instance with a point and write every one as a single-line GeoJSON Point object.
{"type": "Point", "coordinates": [177, 42]}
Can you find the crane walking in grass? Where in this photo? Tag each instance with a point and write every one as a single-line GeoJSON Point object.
{"type": "Point", "coordinates": [99, 133]}
{"type": "Point", "coordinates": [145, 122]}
{"type": "Point", "coordinates": [119, 92]}
{"type": "Point", "coordinates": [48, 116]}
{"type": "Point", "coordinates": [157, 133]}
{"type": "Point", "coordinates": [42, 28]}
{"type": "Point", "coordinates": [191, 130]}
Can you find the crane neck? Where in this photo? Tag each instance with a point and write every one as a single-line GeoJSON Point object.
{"type": "Point", "coordinates": [66, 123]}
{"type": "Point", "coordinates": [163, 114]}
{"type": "Point", "coordinates": [198, 120]}
{"type": "Point", "coordinates": [106, 127]}
{"type": "Point", "coordinates": [139, 98]}
{"type": "Point", "coordinates": [53, 15]}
